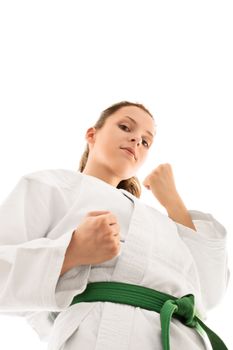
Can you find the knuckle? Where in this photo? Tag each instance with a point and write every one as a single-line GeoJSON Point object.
{"type": "Point", "coordinates": [107, 237]}
{"type": "Point", "coordinates": [114, 249]}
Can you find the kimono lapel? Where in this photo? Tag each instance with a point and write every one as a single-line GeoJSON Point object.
{"type": "Point", "coordinates": [130, 268]}
{"type": "Point", "coordinates": [132, 264]}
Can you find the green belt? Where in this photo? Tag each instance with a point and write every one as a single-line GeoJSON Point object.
{"type": "Point", "coordinates": [167, 305]}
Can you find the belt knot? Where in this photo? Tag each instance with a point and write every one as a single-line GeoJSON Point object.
{"type": "Point", "coordinates": [185, 308]}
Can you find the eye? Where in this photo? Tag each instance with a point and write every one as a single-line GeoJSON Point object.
{"type": "Point", "coordinates": [147, 145]}
{"type": "Point", "coordinates": [124, 126]}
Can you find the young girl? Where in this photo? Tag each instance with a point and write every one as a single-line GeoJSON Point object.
{"type": "Point", "coordinates": [90, 266]}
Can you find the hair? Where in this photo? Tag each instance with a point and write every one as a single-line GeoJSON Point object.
{"type": "Point", "coordinates": [132, 184]}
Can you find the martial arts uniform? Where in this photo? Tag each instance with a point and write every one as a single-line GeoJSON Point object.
{"type": "Point", "coordinates": [37, 220]}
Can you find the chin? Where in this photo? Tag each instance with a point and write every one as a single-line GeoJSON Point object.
{"type": "Point", "coordinates": [126, 175]}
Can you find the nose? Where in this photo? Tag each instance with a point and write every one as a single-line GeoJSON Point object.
{"type": "Point", "coordinates": [137, 139]}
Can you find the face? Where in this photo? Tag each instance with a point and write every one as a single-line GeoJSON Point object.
{"type": "Point", "coordinates": [130, 127]}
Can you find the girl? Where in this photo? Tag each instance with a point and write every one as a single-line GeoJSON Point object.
{"type": "Point", "coordinates": [90, 266]}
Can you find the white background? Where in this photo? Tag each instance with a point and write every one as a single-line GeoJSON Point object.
{"type": "Point", "coordinates": [63, 62]}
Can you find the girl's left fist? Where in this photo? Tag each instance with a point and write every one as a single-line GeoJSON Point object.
{"type": "Point", "coordinates": [162, 184]}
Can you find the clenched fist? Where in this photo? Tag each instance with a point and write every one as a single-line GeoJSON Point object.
{"type": "Point", "coordinates": [162, 184]}
{"type": "Point", "coordinates": [96, 238]}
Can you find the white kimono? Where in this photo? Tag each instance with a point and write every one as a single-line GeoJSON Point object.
{"type": "Point", "coordinates": [37, 220]}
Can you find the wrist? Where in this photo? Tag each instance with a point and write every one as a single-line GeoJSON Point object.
{"type": "Point", "coordinates": [70, 259]}
{"type": "Point", "coordinates": [174, 204]}
{"type": "Point", "coordinates": [73, 250]}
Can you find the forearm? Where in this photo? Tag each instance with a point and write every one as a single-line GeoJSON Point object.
{"type": "Point", "coordinates": [179, 213]}
{"type": "Point", "coordinates": [70, 260]}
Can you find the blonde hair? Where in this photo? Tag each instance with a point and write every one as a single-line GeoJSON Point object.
{"type": "Point", "coordinates": [132, 184]}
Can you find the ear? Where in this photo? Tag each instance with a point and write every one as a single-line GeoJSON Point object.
{"type": "Point", "coordinates": [90, 135]}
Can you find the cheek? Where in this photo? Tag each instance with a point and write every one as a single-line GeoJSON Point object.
{"type": "Point", "coordinates": [106, 147]}
{"type": "Point", "coordinates": [142, 156]}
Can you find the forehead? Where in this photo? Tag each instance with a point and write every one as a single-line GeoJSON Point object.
{"type": "Point", "coordinates": [138, 114]}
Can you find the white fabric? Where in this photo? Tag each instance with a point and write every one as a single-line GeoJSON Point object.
{"type": "Point", "coordinates": [37, 220]}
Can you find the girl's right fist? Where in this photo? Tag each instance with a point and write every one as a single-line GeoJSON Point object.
{"type": "Point", "coordinates": [97, 238]}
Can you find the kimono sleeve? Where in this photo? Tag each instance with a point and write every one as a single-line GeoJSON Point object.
{"type": "Point", "coordinates": [30, 262]}
{"type": "Point", "coordinates": [208, 246]}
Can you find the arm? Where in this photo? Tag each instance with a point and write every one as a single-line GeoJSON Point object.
{"type": "Point", "coordinates": [210, 255]}
{"type": "Point", "coordinates": [162, 184]}
{"type": "Point", "coordinates": [30, 261]}
{"type": "Point", "coordinates": [178, 212]}
{"type": "Point", "coordinates": [70, 261]}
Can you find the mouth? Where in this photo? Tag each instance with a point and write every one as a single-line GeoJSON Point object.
{"type": "Point", "coordinates": [131, 154]}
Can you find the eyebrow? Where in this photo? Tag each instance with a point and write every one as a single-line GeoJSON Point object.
{"type": "Point", "coordinates": [134, 121]}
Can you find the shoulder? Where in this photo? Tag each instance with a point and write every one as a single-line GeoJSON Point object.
{"type": "Point", "coordinates": [62, 178]}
